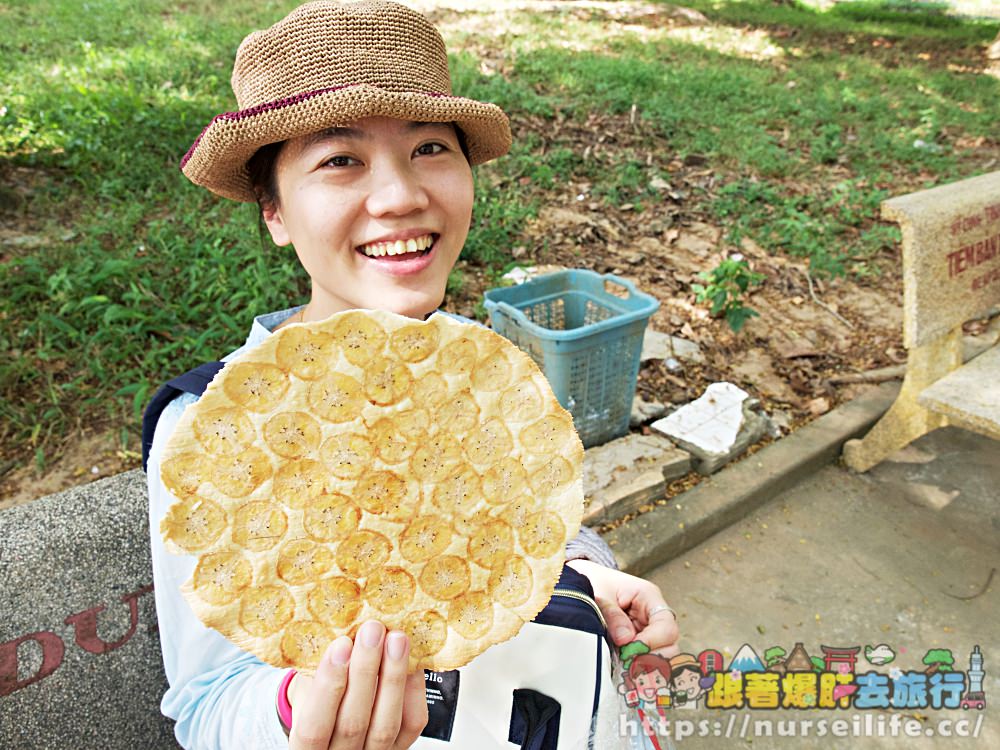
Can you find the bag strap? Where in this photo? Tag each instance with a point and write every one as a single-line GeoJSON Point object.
{"type": "Point", "coordinates": [570, 578]}
{"type": "Point", "coordinates": [194, 381]}
{"type": "Point", "coordinates": [535, 720]}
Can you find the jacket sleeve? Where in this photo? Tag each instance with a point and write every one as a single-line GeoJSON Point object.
{"type": "Point", "coordinates": [588, 545]}
{"type": "Point", "coordinates": [219, 696]}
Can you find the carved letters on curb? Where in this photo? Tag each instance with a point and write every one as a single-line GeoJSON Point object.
{"type": "Point", "coordinates": [53, 648]}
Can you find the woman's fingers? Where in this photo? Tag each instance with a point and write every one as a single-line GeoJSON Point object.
{"type": "Point", "coordinates": [314, 710]}
{"type": "Point", "coordinates": [414, 710]}
{"type": "Point", "coordinates": [619, 624]}
{"type": "Point", "coordinates": [387, 715]}
{"type": "Point", "coordinates": [355, 712]}
{"type": "Point", "coordinates": [633, 608]}
{"type": "Point", "coordinates": [655, 620]}
{"type": "Point", "coordinates": [661, 631]}
{"type": "Point", "coordinates": [361, 696]}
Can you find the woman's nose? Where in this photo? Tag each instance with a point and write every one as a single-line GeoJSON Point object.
{"type": "Point", "coordinates": [396, 190]}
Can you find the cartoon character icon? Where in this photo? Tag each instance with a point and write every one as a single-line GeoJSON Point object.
{"type": "Point", "coordinates": [879, 655]}
{"type": "Point", "coordinates": [687, 680]}
{"type": "Point", "coordinates": [646, 677]}
{"type": "Point", "coordinates": [646, 688]}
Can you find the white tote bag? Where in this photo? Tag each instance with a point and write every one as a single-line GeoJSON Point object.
{"type": "Point", "coordinates": [551, 687]}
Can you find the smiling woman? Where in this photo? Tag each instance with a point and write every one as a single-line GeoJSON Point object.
{"type": "Point", "coordinates": [350, 141]}
{"type": "Point", "coordinates": [377, 213]}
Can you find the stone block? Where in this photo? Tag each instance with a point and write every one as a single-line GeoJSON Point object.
{"type": "Point", "coordinates": [624, 474]}
{"type": "Point", "coordinates": [970, 396]}
{"type": "Point", "coordinates": [80, 663]}
{"type": "Point", "coordinates": [951, 255]}
{"type": "Point", "coordinates": [644, 411]}
{"type": "Point", "coordinates": [656, 345]}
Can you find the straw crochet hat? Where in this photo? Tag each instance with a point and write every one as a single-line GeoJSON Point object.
{"type": "Point", "coordinates": [326, 64]}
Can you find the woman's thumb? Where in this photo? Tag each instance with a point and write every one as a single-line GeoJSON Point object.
{"type": "Point", "coordinates": [619, 625]}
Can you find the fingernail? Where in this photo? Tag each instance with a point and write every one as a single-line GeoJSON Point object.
{"type": "Point", "coordinates": [395, 645]}
{"type": "Point", "coordinates": [340, 651]}
{"type": "Point", "coordinates": [371, 634]}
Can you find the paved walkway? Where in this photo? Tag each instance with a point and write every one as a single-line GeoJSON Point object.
{"type": "Point", "coordinates": [907, 555]}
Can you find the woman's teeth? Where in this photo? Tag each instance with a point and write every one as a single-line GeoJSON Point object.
{"type": "Point", "coordinates": [399, 247]}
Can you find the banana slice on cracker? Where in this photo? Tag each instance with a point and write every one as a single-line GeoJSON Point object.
{"type": "Point", "coordinates": [370, 466]}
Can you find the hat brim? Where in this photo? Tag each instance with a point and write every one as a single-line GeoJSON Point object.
{"type": "Point", "coordinates": [217, 159]}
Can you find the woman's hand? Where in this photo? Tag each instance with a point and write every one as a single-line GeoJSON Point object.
{"type": "Point", "coordinates": [634, 608]}
{"type": "Point", "coordinates": [360, 697]}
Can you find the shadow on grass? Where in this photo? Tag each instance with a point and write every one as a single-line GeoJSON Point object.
{"type": "Point", "coordinates": [912, 25]}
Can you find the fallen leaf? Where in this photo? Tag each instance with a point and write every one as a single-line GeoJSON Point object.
{"type": "Point", "coordinates": [818, 406]}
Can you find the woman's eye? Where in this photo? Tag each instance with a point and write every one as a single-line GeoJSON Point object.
{"type": "Point", "coordinates": [339, 161]}
{"type": "Point", "coordinates": [429, 149]}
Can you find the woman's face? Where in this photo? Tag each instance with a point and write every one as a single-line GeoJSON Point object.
{"type": "Point", "coordinates": [377, 211]}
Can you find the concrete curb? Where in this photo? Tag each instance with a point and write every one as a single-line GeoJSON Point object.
{"type": "Point", "coordinates": [80, 662]}
{"type": "Point", "coordinates": [689, 519]}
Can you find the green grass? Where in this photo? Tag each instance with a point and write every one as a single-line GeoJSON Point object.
{"type": "Point", "coordinates": [141, 275]}
{"type": "Point", "coordinates": [898, 19]}
{"type": "Point", "coordinates": [790, 132]}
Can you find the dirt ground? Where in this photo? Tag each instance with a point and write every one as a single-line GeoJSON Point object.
{"type": "Point", "coordinates": [812, 336]}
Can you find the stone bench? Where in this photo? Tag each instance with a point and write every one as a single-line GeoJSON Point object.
{"type": "Point", "coordinates": [80, 659]}
{"type": "Point", "coordinates": [951, 274]}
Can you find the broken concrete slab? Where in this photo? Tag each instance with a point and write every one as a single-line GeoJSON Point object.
{"type": "Point", "coordinates": [625, 496]}
{"type": "Point", "coordinates": [755, 427]}
{"type": "Point", "coordinates": [657, 345]}
{"type": "Point", "coordinates": [622, 475]}
{"type": "Point", "coordinates": [717, 427]}
{"type": "Point", "coordinates": [645, 411]}
{"type": "Point", "coordinates": [709, 423]}
{"type": "Point", "coordinates": [688, 519]}
{"type": "Point", "coordinates": [782, 421]}
{"type": "Point", "coordinates": [520, 274]}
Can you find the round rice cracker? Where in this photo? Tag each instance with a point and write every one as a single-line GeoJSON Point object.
{"type": "Point", "coordinates": [372, 467]}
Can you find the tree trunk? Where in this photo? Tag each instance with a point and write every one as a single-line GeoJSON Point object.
{"type": "Point", "coordinates": [993, 58]}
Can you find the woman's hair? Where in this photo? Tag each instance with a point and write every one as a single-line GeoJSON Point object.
{"type": "Point", "coordinates": [263, 178]}
{"type": "Point", "coordinates": [645, 663]}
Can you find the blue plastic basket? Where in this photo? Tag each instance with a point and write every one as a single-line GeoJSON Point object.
{"type": "Point", "coordinates": [585, 339]}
